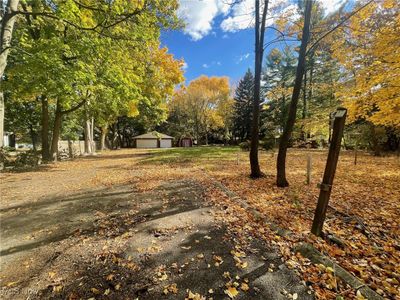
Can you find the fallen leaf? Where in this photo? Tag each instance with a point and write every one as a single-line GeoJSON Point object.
{"type": "Point", "coordinates": [95, 291]}
{"type": "Point", "coordinates": [232, 292]}
{"type": "Point", "coordinates": [57, 288]}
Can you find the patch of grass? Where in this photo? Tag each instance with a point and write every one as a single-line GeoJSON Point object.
{"type": "Point", "coordinates": [192, 155]}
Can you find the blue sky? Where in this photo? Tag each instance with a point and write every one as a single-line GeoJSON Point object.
{"type": "Point", "coordinates": [217, 54]}
{"type": "Point", "coordinates": [219, 38]}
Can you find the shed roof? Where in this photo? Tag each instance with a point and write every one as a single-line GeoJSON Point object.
{"type": "Point", "coordinates": [153, 135]}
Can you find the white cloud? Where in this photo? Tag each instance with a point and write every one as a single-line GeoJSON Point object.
{"type": "Point", "coordinates": [242, 14]}
{"type": "Point", "coordinates": [185, 66]}
{"type": "Point", "coordinates": [241, 17]}
{"type": "Point", "coordinates": [331, 6]}
{"type": "Point", "coordinates": [199, 15]}
{"type": "Point", "coordinates": [205, 66]}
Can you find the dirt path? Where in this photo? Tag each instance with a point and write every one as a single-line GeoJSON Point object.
{"type": "Point", "coordinates": [111, 229]}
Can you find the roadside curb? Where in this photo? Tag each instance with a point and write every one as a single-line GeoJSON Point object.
{"type": "Point", "coordinates": [305, 249]}
{"type": "Point", "coordinates": [316, 257]}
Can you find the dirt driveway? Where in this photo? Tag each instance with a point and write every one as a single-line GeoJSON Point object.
{"type": "Point", "coordinates": [108, 227]}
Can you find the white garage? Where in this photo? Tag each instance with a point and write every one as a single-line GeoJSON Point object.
{"type": "Point", "coordinates": [153, 139]}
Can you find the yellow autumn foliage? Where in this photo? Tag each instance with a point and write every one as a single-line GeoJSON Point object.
{"type": "Point", "coordinates": [369, 50]}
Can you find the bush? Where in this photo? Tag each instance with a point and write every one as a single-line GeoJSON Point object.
{"type": "Point", "coordinates": [267, 144]}
{"type": "Point", "coordinates": [29, 158]}
{"type": "Point", "coordinates": [245, 146]}
{"type": "Point", "coordinates": [4, 158]}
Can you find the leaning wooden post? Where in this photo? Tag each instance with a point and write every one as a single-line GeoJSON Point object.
{"type": "Point", "coordinates": [330, 169]}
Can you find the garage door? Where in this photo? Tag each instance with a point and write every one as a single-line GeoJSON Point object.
{"type": "Point", "coordinates": [146, 143]}
{"type": "Point", "coordinates": [166, 144]}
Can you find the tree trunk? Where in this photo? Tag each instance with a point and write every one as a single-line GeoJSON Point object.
{"type": "Point", "coordinates": [56, 132]}
{"type": "Point", "coordinates": [88, 144]}
{"type": "Point", "coordinates": [259, 52]}
{"type": "Point", "coordinates": [287, 132]}
{"type": "Point", "coordinates": [32, 133]}
{"type": "Point", "coordinates": [45, 129]}
{"type": "Point", "coordinates": [71, 153]}
{"type": "Point", "coordinates": [1, 120]}
{"type": "Point", "coordinates": [119, 139]}
{"type": "Point", "coordinates": [104, 131]}
{"type": "Point", "coordinates": [376, 147]}
{"type": "Point", "coordinates": [7, 27]}
{"type": "Point", "coordinates": [92, 142]}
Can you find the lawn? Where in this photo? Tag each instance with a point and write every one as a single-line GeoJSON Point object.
{"type": "Point", "coordinates": [193, 155]}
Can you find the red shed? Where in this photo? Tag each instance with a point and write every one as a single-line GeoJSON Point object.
{"type": "Point", "coordinates": [186, 142]}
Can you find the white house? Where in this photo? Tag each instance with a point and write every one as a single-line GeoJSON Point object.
{"type": "Point", "coordinates": [153, 139]}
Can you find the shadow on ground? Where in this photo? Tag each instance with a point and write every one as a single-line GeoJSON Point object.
{"type": "Point", "coordinates": [121, 244]}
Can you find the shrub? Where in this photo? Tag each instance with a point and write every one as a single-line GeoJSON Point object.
{"type": "Point", "coordinates": [4, 158]}
{"type": "Point", "coordinates": [29, 158]}
{"type": "Point", "coordinates": [245, 146]}
{"type": "Point", "coordinates": [267, 144]}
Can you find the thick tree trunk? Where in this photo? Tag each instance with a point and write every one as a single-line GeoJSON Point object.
{"type": "Point", "coordinates": [259, 52]}
{"type": "Point", "coordinates": [287, 132]}
{"type": "Point", "coordinates": [7, 27]}
{"type": "Point", "coordinates": [56, 132]}
{"type": "Point", "coordinates": [45, 129]}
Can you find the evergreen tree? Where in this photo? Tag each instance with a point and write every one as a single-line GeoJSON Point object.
{"type": "Point", "coordinates": [243, 107]}
{"type": "Point", "coordinates": [279, 83]}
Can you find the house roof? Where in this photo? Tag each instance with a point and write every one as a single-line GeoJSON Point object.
{"type": "Point", "coordinates": [153, 135]}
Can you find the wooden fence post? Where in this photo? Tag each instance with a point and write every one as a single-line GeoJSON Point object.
{"type": "Point", "coordinates": [330, 169]}
{"type": "Point", "coordinates": [355, 154]}
{"type": "Point", "coordinates": [309, 163]}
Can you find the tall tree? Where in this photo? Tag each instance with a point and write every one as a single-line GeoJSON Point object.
{"type": "Point", "coordinates": [370, 89]}
{"type": "Point", "coordinates": [281, 180]}
{"type": "Point", "coordinates": [243, 98]}
{"type": "Point", "coordinates": [279, 75]}
{"type": "Point", "coordinates": [23, 118]}
{"type": "Point", "coordinates": [204, 105]}
{"type": "Point", "coordinates": [260, 17]}
{"type": "Point", "coordinates": [8, 18]}
{"type": "Point", "coordinates": [65, 75]}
